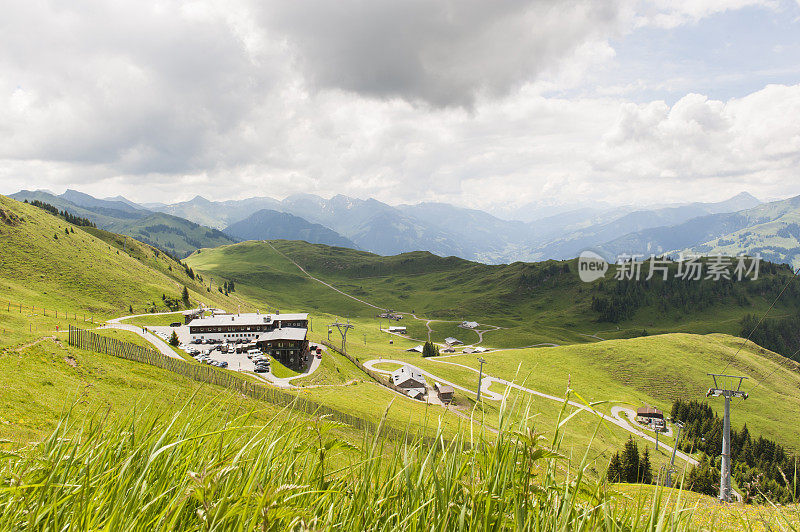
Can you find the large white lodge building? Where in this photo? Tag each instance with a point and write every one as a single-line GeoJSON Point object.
{"type": "Point", "coordinates": [284, 336]}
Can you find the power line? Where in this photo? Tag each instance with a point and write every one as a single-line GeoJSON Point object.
{"type": "Point", "coordinates": [762, 319]}
{"type": "Point", "coordinates": [772, 372]}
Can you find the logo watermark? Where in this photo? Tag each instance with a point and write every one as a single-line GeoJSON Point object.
{"type": "Point", "coordinates": [591, 266]}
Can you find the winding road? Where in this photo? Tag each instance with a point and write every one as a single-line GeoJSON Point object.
{"type": "Point", "coordinates": [488, 380]}
{"type": "Point", "coordinates": [157, 342]}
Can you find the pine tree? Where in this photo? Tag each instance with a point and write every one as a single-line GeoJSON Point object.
{"type": "Point", "coordinates": [645, 470]}
{"type": "Point", "coordinates": [430, 350]}
{"type": "Point", "coordinates": [614, 473]}
{"type": "Point", "coordinates": [173, 340]}
{"type": "Point", "coordinates": [185, 297]}
{"type": "Point", "coordinates": [630, 462]}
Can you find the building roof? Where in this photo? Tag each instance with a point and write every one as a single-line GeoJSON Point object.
{"type": "Point", "coordinates": [649, 411]}
{"type": "Point", "coordinates": [444, 388]}
{"type": "Point", "coordinates": [415, 393]}
{"type": "Point", "coordinates": [469, 324]}
{"type": "Point", "coordinates": [285, 333]}
{"type": "Point", "coordinates": [450, 340]}
{"type": "Point", "coordinates": [416, 349]}
{"type": "Point", "coordinates": [405, 373]}
{"type": "Point", "coordinates": [250, 318]}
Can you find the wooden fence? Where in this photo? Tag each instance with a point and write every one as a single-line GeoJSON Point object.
{"type": "Point", "coordinates": [10, 306]}
{"type": "Point", "coordinates": [206, 374]}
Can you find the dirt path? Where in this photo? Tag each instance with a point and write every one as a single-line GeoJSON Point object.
{"type": "Point", "coordinates": [33, 343]}
{"type": "Point", "coordinates": [321, 281]}
{"type": "Point", "coordinates": [156, 342]}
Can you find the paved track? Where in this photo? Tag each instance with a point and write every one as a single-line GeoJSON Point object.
{"type": "Point", "coordinates": [494, 396]}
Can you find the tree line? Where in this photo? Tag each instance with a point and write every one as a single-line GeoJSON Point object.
{"type": "Point", "coordinates": [780, 335]}
{"type": "Point", "coordinates": [67, 216]}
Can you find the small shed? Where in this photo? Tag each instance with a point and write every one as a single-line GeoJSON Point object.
{"type": "Point", "coordinates": [469, 324]}
{"type": "Point", "coordinates": [452, 341]}
{"type": "Point", "coordinates": [444, 392]}
{"type": "Point", "coordinates": [415, 349]}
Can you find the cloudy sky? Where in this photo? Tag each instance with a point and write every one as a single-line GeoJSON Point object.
{"type": "Point", "coordinates": [479, 103]}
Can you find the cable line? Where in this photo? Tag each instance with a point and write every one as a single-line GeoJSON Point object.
{"type": "Point", "coordinates": [762, 318]}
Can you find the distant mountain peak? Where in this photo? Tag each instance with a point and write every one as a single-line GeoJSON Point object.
{"type": "Point", "coordinates": [745, 196]}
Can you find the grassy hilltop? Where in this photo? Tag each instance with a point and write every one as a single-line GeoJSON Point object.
{"type": "Point", "coordinates": [655, 369]}
{"type": "Point", "coordinates": [47, 262]}
{"type": "Point", "coordinates": [529, 303]}
{"type": "Point", "coordinates": [203, 457]}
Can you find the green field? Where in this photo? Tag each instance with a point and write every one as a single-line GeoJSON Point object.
{"type": "Point", "coordinates": [88, 277]}
{"type": "Point", "coordinates": [529, 303]}
{"type": "Point", "coordinates": [653, 369]}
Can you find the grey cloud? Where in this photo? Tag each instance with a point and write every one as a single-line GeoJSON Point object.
{"type": "Point", "coordinates": [146, 88]}
{"type": "Point", "coordinates": [439, 52]}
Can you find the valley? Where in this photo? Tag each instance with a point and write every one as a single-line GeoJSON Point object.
{"type": "Point", "coordinates": [548, 355]}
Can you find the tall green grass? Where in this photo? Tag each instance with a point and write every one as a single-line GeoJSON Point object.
{"type": "Point", "coordinates": [198, 471]}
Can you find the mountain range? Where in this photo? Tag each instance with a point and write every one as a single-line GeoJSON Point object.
{"type": "Point", "coordinates": [178, 236]}
{"type": "Point", "coordinates": [739, 224]}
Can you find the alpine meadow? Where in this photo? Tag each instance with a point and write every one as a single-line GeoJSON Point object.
{"type": "Point", "coordinates": [400, 266]}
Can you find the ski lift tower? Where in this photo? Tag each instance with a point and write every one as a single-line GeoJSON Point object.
{"type": "Point", "coordinates": [719, 390]}
{"type": "Point", "coordinates": [343, 328]}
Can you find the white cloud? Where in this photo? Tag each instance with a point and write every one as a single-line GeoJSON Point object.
{"type": "Point", "coordinates": [675, 13]}
{"type": "Point", "coordinates": [165, 101]}
{"type": "Point", "coordinates": [751, 143]}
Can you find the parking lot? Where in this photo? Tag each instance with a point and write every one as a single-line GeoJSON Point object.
{"type": "Point", "coordinates": [235, 361]}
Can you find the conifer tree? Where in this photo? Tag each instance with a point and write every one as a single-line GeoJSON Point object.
{"type": "Point", "coordinates": [630, 461]}
{"type": "Point", "coordinates": [645, 469]}
{"type": "Point", "coordinates": [614, 473]}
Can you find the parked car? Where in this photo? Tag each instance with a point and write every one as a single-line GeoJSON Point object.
{"type": "Point", "coordinates": [223, 364]}
{"type": "Point", "coordinates": [175, 324]}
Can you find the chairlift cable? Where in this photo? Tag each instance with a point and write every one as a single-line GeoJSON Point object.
{"type": "Point", "coordinates": [762, 319]}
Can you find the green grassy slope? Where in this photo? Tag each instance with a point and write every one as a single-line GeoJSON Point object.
{"type": "Point", "coordinates": [103, 273]}
{"type": "Point", "coordinates": [177, 235]}
{"type": "Point", "coordinates": [44, 380]}
{"type": "Point", "coordinates": [532, 303]}
{"type": "Point", "coordinates": [85, 270]}
{"type": "Point", "coordinates": [180, 237]}
{"type": "Point", "coordinates": [776, 240]}
{"type": "Point", "coordinates": [655, 369]}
